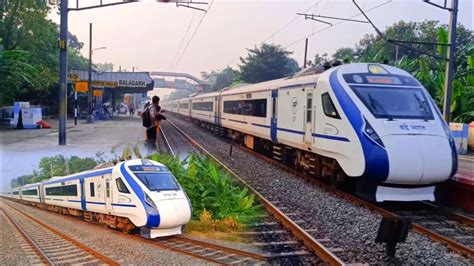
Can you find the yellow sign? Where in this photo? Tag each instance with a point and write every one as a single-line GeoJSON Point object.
{"type": "Point", "coordinates": [82, 86]}
{"type": "Point", "coordinates": [97, 93]}
{"type": "Point", "coordinates": [110, 84]}
{"type": "Point", "coordinates": [73, 77]}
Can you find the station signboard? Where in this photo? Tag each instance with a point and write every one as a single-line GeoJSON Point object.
{"type": "Point", "coordinates": [82, 86]}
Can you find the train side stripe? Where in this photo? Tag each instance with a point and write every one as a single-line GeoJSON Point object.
{"type": "Point", "coordinates": [153, 216]}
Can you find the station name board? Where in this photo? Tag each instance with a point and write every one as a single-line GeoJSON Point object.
{"type": "Point", "coordinates": [131, 83]}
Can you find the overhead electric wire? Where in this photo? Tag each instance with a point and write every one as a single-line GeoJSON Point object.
{"type": "Point", "coordinates": [337, 23]}
{"type": "Point", "coordinates": [192, 36]}
{"type": "Point", "coordinates": [289, 22]}
{"type": "Point", "coordinates": [182, 40]}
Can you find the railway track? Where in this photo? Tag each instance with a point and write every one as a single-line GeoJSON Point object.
{"type": "Point", "coordinates": [295, 226]}
{"type": "Point", "coordinates": [465, 236]}
{"type": "Point", "coordinates": [52, 246]}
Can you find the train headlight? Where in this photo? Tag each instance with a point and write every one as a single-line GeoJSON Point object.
{"type": "Point", "coordinates": [370, 132]}
{"type": "Point", "coordinates": [149, 201]}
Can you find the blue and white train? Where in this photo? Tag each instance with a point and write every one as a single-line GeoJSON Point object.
{"type": "Point", "coordinates": [132, 194]}
{"type": "Point", "coordinates": [369, 123]}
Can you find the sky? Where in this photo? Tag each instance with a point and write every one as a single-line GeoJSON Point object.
{"type": "Point", "coordinates": [148, 35]}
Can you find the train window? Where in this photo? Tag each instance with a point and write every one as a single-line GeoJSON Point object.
{"type": "Point", "coordinates": [203, 106]}
{"type": "Point", "coordinates": [184, 105]}
{"type": "Point", "coordinates": [30, 192]}
{"type": "Point", "coordinates": [107, 188]}
{"type": "Point", "coordinates": [328, 106]}
{"type": "Point", "coordinates": [256, 108]}
{"type": "Point", "coordinates": [70, 190]}
{"type": "Point", "coordinates": [92, 189]}
{"type": "Point", "coordinates": [121, 186]}
{"type": "Point", "coordinates": [309, 108]}
{"type": "Point", "coordinates": [15, 193]}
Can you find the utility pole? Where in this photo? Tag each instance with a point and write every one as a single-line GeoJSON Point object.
{"type": "Point", "coordinates": [89, 83]}
{"type": "Point", "coordinates": [63, 72]}
{"type": "Point", "coordinates": [448, 80]}
{"type": "Point", "coordinates": [305, 53]}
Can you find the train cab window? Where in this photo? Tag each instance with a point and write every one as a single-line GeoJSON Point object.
{"type": "Point", "coordinates": [92, 189]}
{"type": "Point", "coordinates": [328, 106]}
{"type": "Point", "coordinates": [121, 186]}
{"type": "Point", "coordinates": [158, 181]}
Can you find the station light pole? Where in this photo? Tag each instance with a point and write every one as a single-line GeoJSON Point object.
{"type": "Point", "coordinates": [89, 89]}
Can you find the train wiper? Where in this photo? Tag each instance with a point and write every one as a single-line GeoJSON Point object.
{"type": "Point", "coordinates": [374, 102]}
{"type": "Point", "coordinates": [423, 106]}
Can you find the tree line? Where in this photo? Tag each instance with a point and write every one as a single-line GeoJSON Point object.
{"type": "Point", "coordinates": [29, 53]}
{"type": "Point", "coordinates": [270, 61]}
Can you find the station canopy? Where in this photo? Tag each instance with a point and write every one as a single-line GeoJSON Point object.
{"type": "Point", "coordinates": [119, 82]}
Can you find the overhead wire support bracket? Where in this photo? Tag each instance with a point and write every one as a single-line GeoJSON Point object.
{"type": "Point", "coordinates": [445, 7]}
{"type": "Point", "coordinates": [398, 42]}
{"type": "Point", "coordinates": [179, 3]}
{"type": "Point", "coordinates": [313, 16]}
{"type": "Point", "coordinates": [77, 8]}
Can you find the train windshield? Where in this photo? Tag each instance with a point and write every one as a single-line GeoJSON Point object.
{"type": "Point", "coordinates": [394, 102]}
{"type": "Point", "coordinates": [158, 181]}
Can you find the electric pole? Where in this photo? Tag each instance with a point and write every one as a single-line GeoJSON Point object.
{"type": "Point", "coordinates": [448, 80]}
{"type": "Point", "coordinates": [63, 72]}
{"type": "Point", "coordinates": [305, 53]}
{"type": "Point", "coordinates": [89, 85]}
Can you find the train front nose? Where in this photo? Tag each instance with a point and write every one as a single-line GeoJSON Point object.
{"type": "Point", "coordinates": [418, 159]}
{"type": "Point", "coordinates": [173, 212]}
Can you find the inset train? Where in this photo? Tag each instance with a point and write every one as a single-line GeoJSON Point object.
{"type": "Point", "coordinates": [132, 194]}
{"type": "Point", "coordinates": [372, 124]}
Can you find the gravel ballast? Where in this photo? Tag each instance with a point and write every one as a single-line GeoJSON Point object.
{"type": "Point", "coordinates": [353, 228]}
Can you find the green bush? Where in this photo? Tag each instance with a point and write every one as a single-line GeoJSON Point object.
{"type": "Point", "coordinates": [211, 188]}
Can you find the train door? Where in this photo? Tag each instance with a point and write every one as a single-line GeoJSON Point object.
{"type": "Point", "coordinates": [216, 110]}
{"type": "Point", "coordinates": [189, 108]}
{"type": "Point", "coordinates": [308, 136]}
{"type": "Point", "coordinates": [274, 121]}
{"type": "Point", "coordinates": [108, 194]}
{"type": "Point", "coordinates": [83, 194]}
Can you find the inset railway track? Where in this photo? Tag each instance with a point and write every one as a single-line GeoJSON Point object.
{"type": "Point", "coordinates": [295, 227]}
{"type": "Point", "coordinates": [52, 246]}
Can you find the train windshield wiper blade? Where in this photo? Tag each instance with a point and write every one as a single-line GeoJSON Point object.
{"type": "Point", "coordinates": [423, 107]}
{"type": "Point", "coordinates": [374, 102]}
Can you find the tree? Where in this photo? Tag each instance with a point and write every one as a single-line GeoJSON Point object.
{"type": "Point", "coordinates": [56, 166]}
{"type": "Point", "coordinates": [104, 67]}
{"type": "Point", "coordinates": [267, 62]}
{"type": "Point", "coordinates": [319, 60]}
{"type": "Point", "coordinates": [29, 40]}
{"type": "Point", "coordinates": [345, 54]}
{"type": "Point", "coordinates": [220, 79]}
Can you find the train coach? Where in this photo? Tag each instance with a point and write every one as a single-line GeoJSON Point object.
{"type": "Point", "coordinates": [372, 125]}
{"type": "Point", "coordinates": [133, 194]}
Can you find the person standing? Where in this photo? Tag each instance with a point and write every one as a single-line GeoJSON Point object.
{"type": "Point", "coordinates": [152, 112]}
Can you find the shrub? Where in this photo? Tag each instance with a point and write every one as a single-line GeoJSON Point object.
{"type": "Point", "coordinates": [212, 190]}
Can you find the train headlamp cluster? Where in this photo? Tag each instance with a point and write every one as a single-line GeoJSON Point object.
{"type": "Point", "coordinates": [370, 132]}
{"type": "Point", "coordinates": [149, 201]}
{"type": "Point", "coordinates": [377, 69]}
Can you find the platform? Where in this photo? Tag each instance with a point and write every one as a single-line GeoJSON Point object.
{"type": "Point", "coordinates": [459, 191]}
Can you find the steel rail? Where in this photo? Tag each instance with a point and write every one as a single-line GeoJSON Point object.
{"type": "Point", "coordinates": [310, 242]}
{"type": "Point", "coordinates": [223, 248]}
{"type": "Point", "coordinates": [28, 239]}
{"type": "Point", "coordinates": [451, 244]}
{"type": "Point", "coordinates": [76, 243]}
{"type": "Point", "coordinates": [182, 239]}
{"type": "Point", "coordinates": [452, 215]}
{"type": "Point", "coordinates": [165, 139]}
